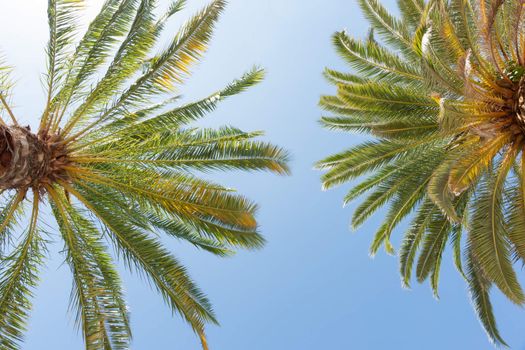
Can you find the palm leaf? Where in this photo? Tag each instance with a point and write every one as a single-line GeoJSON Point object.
{"type": "Point", "coordinates": [17, 282]}
{"type": "Point", "coordinates": [487, 237]}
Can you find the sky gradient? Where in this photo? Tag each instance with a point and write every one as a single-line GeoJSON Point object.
{"type": "Point", "coordinates": [314, 286]}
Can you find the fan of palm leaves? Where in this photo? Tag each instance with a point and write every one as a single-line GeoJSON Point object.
{"type": "Point", "coordinates": [115, 159]}
{"type": "Point", "coordinates": [442, 91]}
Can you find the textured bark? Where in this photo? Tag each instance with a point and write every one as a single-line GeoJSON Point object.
{"type": "Point", "coordinates": [26, 160]}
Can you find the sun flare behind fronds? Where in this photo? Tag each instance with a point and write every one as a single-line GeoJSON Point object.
{"type": "Point", "coordinates": [442, 91]}
{"type": "Point", "coordinates": [116, 160]}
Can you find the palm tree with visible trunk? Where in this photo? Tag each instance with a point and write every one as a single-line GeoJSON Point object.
{"type": "Point", "coordinates": [115, 159]}
{"type": "Point", "coordinates": [441, 90]}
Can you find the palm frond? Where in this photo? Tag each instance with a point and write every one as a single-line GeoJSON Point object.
{"type": "Point", "coordinates": [393, 31]}
{"type": "Point", "coordinates": [102, 312]}
{"type": "Point", "coordinates": [6, 85]}
{"type": "Point", "coordinates": [148, 257]}
{"type": "Point", "coordinates": [411, 11]}
{"type": "Point", "coordinates": [62, 17]}
{"type": "Point", "coordinates": [17, 282]}
{"type": "Point", "coordinates": [488, 236]}
{"type": "Point", "coordinates": [479, 288]}
{"type": "Point", "coordinates": [93, 49]}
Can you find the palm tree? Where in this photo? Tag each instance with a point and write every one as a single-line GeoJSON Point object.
{"type": "Point", "coordinates": [442, 92]}
{"type": "Point", "coordinates": [117, 162]}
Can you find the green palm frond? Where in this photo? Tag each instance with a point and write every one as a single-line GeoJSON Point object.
{"type": "Point", "coordinates": [440, 90]}
{"type": "Point", "coordinates": [479, 288]}
{"type": "Point", "coordinates": [411, 11]}
{"type": "Point", "coordinates": [165, 69]}
{"type": "Point", "coordinates": [413, 238]}
{"type": "Point", "coordinates": [433, 245]}
{"type": "Point", "coordinates": [373, 61]}
{"type": "Point", "coordinates": [18, 281]}
{"type": "Point", "coordinates": [94, 48]}
{"type": "Point", "coordinates": [118, 161]}
{"type": "Point", "coordinates": [391, 29]}
{"type": "Point", "coordinates": [6, 84]}
{"type": "Point", "coordinates": [488, 238]}
{"type": "Point", "coordinates": [146, 255]}
{"type": "Point", "coordinates": [62, 17]}
{"type": "Point", "coordinates": [102, 311]}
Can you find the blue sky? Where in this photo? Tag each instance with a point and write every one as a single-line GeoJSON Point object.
{"type": "Point", "coordinates": [314, 286]}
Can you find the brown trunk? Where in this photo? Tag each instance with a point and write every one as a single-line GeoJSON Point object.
{"type": "Point", "coordinates": [26, 160]}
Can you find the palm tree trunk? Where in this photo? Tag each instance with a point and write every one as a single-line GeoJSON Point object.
{"type": "Point", "coordinates": [24, 158]}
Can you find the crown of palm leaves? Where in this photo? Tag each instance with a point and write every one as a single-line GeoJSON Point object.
{"type": "Point", "coordinates": [114, 158]}
{"type": "Point", "coordinates": [442, 91]}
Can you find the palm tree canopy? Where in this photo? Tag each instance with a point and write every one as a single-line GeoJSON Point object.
{"type": "Point", "coordinates": [116, 160]}
{"type": "Point", "coordinates": [442, 92]}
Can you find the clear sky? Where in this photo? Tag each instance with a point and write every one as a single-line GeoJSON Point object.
{"type": "Point", "coordinates": [314, 286]}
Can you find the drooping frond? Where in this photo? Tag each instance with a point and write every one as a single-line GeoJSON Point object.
{"type": "Point", "coordinates": [479, 288]}
{"type": "Point", "coordinates": [488, 237]}
{"type": "Point", "coordinates": [8, 218]}
{"type": "Point", "coordinates": [17, 282]}
{"type": "Point", "coordinates": [101, 310]}
{"type": "Point", "coordinates": [148, 257]}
